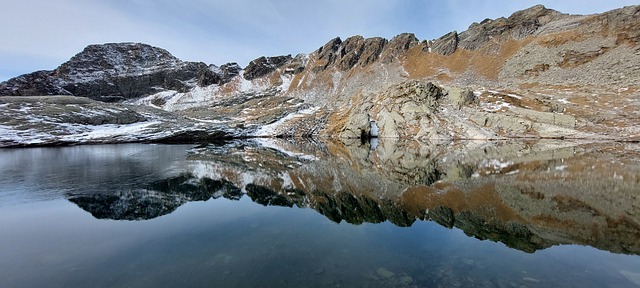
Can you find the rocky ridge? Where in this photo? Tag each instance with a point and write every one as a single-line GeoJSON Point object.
{"type": "Point", "coordinates": [538, 73]}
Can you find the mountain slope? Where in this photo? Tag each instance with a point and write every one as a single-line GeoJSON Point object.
{"type": "Point", "coordinates": [538, 73]}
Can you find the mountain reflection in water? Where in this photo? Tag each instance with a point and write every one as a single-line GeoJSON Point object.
{"type": "Point", "coordinates": [527, 195]}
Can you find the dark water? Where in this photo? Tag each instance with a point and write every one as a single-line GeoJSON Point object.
{"type": "Point", "coordinates": [281, 214]}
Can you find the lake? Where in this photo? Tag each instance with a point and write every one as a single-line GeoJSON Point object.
{"type": "Point", "coordinates": [284, 213]}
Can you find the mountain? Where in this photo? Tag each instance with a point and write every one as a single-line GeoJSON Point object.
{"type": "Point", "coordinates": [118, 71]}
{"type": "Point", "coordinates": [538, 73]}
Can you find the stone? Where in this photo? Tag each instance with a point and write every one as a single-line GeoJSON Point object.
{"type": "Point", "coordinates": [406, 280]}
{"type": "Point", "coordinates": [384, 273]}
{"type": "Point", "coordinates": [461, 96]}
{"type": "Point", "coordinates": [358, 126]}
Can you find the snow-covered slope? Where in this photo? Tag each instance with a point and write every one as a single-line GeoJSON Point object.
{"type": "Point", "coordinates": [65, 120]}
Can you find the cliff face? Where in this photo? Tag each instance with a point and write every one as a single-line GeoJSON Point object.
{"type": "Point", "coordinates": [537, 73]}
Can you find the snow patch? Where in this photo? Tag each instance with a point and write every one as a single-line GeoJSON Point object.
{"type": "Point", "coordinates": [91, 132]}
{"type": "Point", "coordinates": [515, 96]}
{"type": "Point", "coordinates": [495, 163]}
{"type": "Point", "coordinates": [271, 129]}
{"type": "Point", "coordinates": [494, 107]}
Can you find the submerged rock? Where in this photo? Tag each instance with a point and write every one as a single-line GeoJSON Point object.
{"type": "Point", "coordinates": [384, 273]}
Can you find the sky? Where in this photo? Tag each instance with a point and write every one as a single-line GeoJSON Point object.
{"type": "Point", "coordinates": [41, 35]}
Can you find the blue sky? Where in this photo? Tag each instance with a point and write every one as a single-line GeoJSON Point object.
{"type": "Point", "coordinates": [39, 35]}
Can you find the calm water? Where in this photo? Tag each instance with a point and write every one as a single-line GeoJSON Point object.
{"type": "Point", "coordinates": [280, 214]}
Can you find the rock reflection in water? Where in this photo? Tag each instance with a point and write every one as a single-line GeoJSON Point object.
{"type": "Point", "coordinates": [527, 195]}
{"type": "Point", "coordinates": [159, 198]}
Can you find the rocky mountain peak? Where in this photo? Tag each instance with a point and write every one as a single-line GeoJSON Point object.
{"type": "Point", "coordinates": [117, 59]}
{"type": "Point", "coordinates": [114, 72]}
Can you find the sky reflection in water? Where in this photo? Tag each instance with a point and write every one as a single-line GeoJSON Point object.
{"type": "Point", "coordinates": [258, 241]}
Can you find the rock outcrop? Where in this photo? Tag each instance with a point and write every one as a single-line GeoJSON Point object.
{"type": "Point", "coordinates": [355, 50]}
{"type": "Point", "coordinates": [444, 45]}
{"type": "Point", "coordinates": [519, 25]}
{"type": "Point", "coordinates": [264, 65]}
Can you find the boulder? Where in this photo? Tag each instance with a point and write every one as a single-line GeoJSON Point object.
{"type": "Point", "coordinates": [461, 97]}
{"type": "Point", "coordinates": [358, 126]}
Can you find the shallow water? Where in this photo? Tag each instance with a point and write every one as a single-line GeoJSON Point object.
{"type": "Point", "coordinates": [272, 213]}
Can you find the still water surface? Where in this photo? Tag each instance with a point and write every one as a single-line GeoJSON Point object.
{"type": "Point", "coordinates": [280, 214]}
